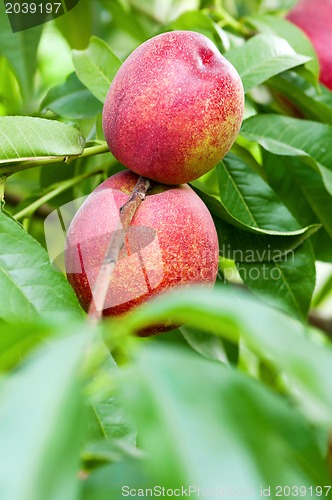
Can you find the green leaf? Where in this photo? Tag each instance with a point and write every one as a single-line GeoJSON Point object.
{"type": "Point", "coordinates": [40, 415]}
{"type": "Point", "coordinates": [247, 247]}
{"type": "Point", "coordinates": [112, 435]}
{"type": "Point", "coordinates": [278, 340]}
{"type": "Point", "coordinates": [10, 99]}
{"type": "Point", "coordinates": [17, 340]}
{"type": "Point", "coordinates": [273, 25]}
{"type": "Point", "coordinates": [250, 199]}
{"type": "Point", "coordinates": [301, 188]}
{"type": "Point", "coordinates": [322, 245]}
{"type": "Point", "coordinates": [21, 51]}
{"type": "Point", "coordinates": [282, 282]}
{"type": "Point", "coordinates": [26, 139]}
{"type": "Point", "coordinates": [71, 100]}
{"type": "Point", "coordinates": [269, 265]}
{"type": "Point", "coordinates": [262, 57]}
{"type": "Point", "coordinates": [30, 286]}
{"type": "Point", "coordinates": [286, 136]}
{"type": "Point", "coordinates": [199, 421]}
{"type": "Point", "coordinates": [96, 67]}
{"type": "Point", "coordinates": [312, 103]}
{"type": "Point", "coordinates": [130, 21]}
{"type": "Point", "coordinates": [243, 243]}
{"type": "Point", "coordinates": [219, 211]}
{"type": "Point", "coordinates": [109, 433]}
{"type": "Point", "coordinates": [76, 25]}
{"type": "Point", "coordinates": [208, 346]}
{"type": "Point", "coordinates": [106, 482]}
{"type": "Point", "coordinates": [305, 195]}
{"type": "Point", "coordinates": [110, 417]}
{"type": "Point", "coordinates": [200, 21]}
{"type": "Point", "coordinates": [165, 11]}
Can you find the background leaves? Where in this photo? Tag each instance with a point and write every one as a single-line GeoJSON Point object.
{"type": "Point", "coordinates": [71, 99]}
{"type": "Point", "coordinates": [295, 37]}
{"type": "Point", "coordinates": [218, 400]}
{"type": "Point", "coordinates": [240, 393]}
{"type": "Point", "coordinates": [262, 57]}
{"type": "Point", "coordinates": [53, 405]}
{"type": "Point", "coordinates": [288, 136]}
{"type": "Point", "coordinates": [30, 287]}
{"type": "Point", "coordinates": [23, 138]}
{"type": "Point", "coordinates": [20, 49]}
{"type": "Point", "coordinates": [96, 67]}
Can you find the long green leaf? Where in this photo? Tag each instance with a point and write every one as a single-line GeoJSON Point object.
{"type": "Point", "coordinates": [250, 199]}
{"type": "Point", "coordinates": [286, 136]}
{"type": "Point", "coordinates": [21, 51]}
{"type": "Point", "coordinates": [96, 67]}
{"type": "Point", "coordinates": [312, 103]}
{"type": "Point", "coordinates": [281, 282]}
{"type": "Point", "coordinates": [274, 337]}
{"type": "Point", "coordinates": [41, 423]}
{"type": "Point", "coordinates": [220, 211]}
{"type": "Point", "coordinates": [27, 139]}
{"type": "Point", "coordinates": [30, 286]}
{"type": "Point", "coordinates": [303, 191]}
{"type": "Point", "coordinates": [243, 242]}
{"type": "Point", "coordinates": [199, 423]}
{"type": "Point", "coordinates": [16, 340]}
{"type": "Point", "coordinates": [262, 57]}
{"type": "Point", "coordinates": [247, 247]}
{"type": "Point", "coordinates": [273, 25]}
{"type": "Point", "coordinates": [291, 175]}
{"type": "Point", "coordinates": [71, 100]}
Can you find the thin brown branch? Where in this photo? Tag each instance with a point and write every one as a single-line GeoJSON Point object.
{"type": "Point", "coordinates": [116, 243]}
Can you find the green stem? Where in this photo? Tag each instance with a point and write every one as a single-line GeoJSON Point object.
{"type": "Point", "coordinates": [2, 188]}
{"type": "Point", "coordinates": [24, 165]}
{"type": "Point", "coordinates": [28, 211]}
{"type": "Point", "coordinates": [2, 191]}
{"type": "Point", "coordinates": [95, 150]}
{"type": "Point", "coordinates": [227, 18]}
{"type": "Point", "coordinates": [26, 223]}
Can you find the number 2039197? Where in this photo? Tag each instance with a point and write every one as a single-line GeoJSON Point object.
{"type": "Point", "coordinates": [302, 491]}
{"type": "Point", "coordinates": [33, 8]}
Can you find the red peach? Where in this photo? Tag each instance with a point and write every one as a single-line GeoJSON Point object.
{"type": "Point", "coordinates": [314, 17]}
{"type": "Point", "coordinates": [171, 242]}
{"type": "Point", "coordinates": [174, 108]}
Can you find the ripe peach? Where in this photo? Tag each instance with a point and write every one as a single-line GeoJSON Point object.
{"type": "Point", "coordinates": [174, 108]}
{"type": "Point", "coordinates": [171, 242]}
{"type": "Point", "coordinates": [314, 17]}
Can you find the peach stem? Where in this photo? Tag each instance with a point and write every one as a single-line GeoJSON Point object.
{"type": "Point", "coordinates": [127, 212]}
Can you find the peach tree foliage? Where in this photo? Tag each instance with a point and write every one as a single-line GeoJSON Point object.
{"type": "Point", "coordinates": [240, 395]}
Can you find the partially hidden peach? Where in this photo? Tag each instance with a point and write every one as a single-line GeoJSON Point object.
{"type": "Point", "coordinates": [314, 17]}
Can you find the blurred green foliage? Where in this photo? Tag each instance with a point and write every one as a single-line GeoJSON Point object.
{"type": "Point", "coordinates": [237, 399]}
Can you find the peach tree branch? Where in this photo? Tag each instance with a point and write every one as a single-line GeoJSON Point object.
{"type": "Point", "coordinates": [127, 212]}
